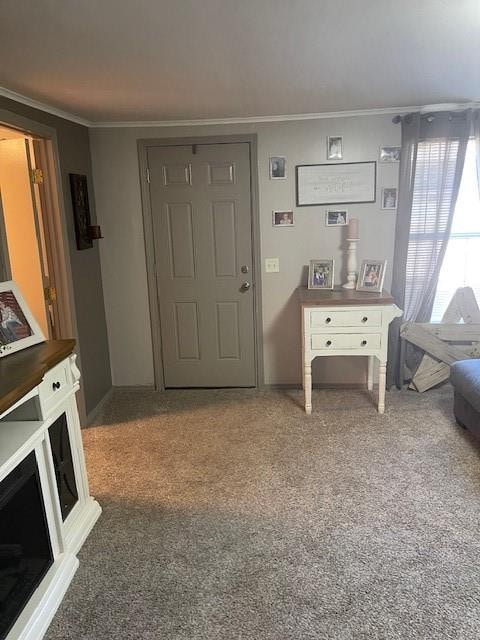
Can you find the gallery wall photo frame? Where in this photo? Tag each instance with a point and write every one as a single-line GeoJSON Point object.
{"type": "Point", "coordinates": [389, 198]}
{"type": "Point", "coordinates": [389, 154]}
{"type": "Point", "coordinates": [283, 218]}
{"type": "Point", "coordinates": [18, 327]}
{"type": "Point", "coordinates": [334, 147]}
{"type": "Point", "coordinates": [81, 210]}
{"type": "Point", "coordinates": [336, 218]}
{"type": "Point", "coordinates": [335, 184]}
{"type": "Point", "coordinates": [277, 167]}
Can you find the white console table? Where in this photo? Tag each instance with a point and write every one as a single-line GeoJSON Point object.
{"type": "Point", "coordinates": [40, 430]}
{"type": "Point", "coordinates": [344, 322]}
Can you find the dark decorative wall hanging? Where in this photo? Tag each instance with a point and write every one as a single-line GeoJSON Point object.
{"type": "Point", "coordinates": [81, 210]}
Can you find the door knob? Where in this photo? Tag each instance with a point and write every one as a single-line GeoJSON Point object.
{"type": "Point", "coordinates": [245, 286]}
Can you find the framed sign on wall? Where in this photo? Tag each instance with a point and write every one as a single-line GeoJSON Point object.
{"type": "Point", "coordinates": [341, 183]}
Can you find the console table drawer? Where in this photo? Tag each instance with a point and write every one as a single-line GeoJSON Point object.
{"type": "Point", "coordinates": [353, 318]}
{"type": "Point", "coordinates": [336, 341]}
{"type": "Point", "coordinates": [54, 386]}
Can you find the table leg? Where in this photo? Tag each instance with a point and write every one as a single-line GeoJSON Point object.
{"type": "Point", "coordinates": [382, 382]}
{"type": "Point", "coordinates": [307, 386]}
{"type": "Point", "coordinates": [370, 373]}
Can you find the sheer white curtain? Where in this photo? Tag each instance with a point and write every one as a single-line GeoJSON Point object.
{"type": "Point", "coordinates": [433, 154]}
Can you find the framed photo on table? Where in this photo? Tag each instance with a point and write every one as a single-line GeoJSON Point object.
{"type": "Point", "coordinates": [321, 274]}
{"type": "Point", "coordinates": [18, 327]}
{"type": "Point", "coordinates": [372, 275]}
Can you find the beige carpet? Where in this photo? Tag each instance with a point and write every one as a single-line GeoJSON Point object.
{"type": "Point", "coordinates": [233, 515]}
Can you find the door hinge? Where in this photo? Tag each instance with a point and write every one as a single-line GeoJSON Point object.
{"type": "Point", "coordinates": [50, 294]}
{"type": "Point", "coordinates": [37, 176]}
{"type": "Point", "coordinates": [148, 175]}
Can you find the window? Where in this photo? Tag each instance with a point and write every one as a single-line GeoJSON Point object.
{"type": "Point", "coordinates": [434, 183]}
{"type": "Point", "coordinates": [461, 265]}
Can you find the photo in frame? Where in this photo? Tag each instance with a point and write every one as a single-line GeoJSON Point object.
{"type": "Point", "coordinates": [389, 154]}
{"type": "Point", "coordinates": [282, 219]}
{"type": "Point", "coordinates": [334, 148]}
{"type": "Point", "coordinates": [389, 198]}
{"type": "Point", "coordinates": [321, 274]}
{"type": "Point", "coordinates": [18, 327]}
{"type": "Point", "coordinates": [81, 210]}
{"type": "Point", "coordinates": [336, 218]}
{"type": "Point", "coordinates": [371, 275]}
{"type": "Point", "coordinates": [278, 168]}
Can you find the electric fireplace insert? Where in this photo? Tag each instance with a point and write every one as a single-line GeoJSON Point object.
{"type": "Point", "coordinates": [25, 549]}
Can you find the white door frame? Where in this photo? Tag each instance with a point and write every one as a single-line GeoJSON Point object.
{"type": "Point", "coordinates": [55, 214]}
{"type": "Point", "coordinates": [143, 146]}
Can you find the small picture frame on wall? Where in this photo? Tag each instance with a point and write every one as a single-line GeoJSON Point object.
{"type": "Point", "coordinates": [389, 154]}
{"type": "Point", "coordinates": [334, 148]}
{"type": "Point", "coordinates": [282, 219]}
{"type": "Point", "coordinates": [389, 198]}
{"type": "Point", "coordinates": [336, 218]}
{"type": "Point", "coordinates": [81, 211]}
{"type": "Point", "coordinates": [278, 168]}
{"type": "Point", "coordinates": [18, 327]}
{"type": "Point", "coordinates": [321, 274]}
{"type": "Point", "coordinates": [372, 275]}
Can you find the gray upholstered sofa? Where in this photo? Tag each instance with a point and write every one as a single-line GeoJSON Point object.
{"type": "Point", "coordinates": [465, 378]}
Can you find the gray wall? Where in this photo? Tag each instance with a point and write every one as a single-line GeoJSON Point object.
{"type": "Point", "coordinates": [74, 157]}
{"type": "Point", "coordinates": [117, 189]}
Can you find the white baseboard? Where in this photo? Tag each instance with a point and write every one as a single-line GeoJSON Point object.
{"type": "Point", "coordinates": [96, 410]}
{"type": "Point", "coordinates": [318, 385]}
{"type": "Point", "coordinates": [144, 387]}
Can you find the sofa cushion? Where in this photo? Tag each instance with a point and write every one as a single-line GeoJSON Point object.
{"type": "Point", "coordinates": [465, 377]}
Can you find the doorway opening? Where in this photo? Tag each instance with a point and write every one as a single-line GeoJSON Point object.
{"type": "Point", "coordinates": [30, 235]}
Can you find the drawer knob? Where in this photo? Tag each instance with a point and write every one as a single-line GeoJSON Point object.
{"type": "Point", "coordinates": [328, 320]}
{"type": "Point", "coordinates": [328, 343]}
{"type": "Point", "coordinates": [364, 319]}
{"type": "Point", "coordinates": [364, 343]}
{"type": "Point", "coordinates": [56, 386]}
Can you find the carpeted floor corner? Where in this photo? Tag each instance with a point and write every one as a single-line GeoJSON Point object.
{"type": "Point", "coordinates": [233, 515]}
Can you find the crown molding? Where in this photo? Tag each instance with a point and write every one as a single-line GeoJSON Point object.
{"type": "Point", "coordinates": [35, 104]}
{"type": "Point", "coordinates": [17, 97]}
{"type": "Point", "coordinates": [255, 119]}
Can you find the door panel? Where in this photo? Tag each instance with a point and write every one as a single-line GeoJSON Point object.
{"type": "Point", "coordinates": [181, 241]}
{"type": "Point", "coordinates": [201, 212]}
{"type": "Point", "coordinates": [186, 329]}
{"type": "Point", "coordinates": [228, 330]}
{"type": "Point", "coordinates": [224, 239]}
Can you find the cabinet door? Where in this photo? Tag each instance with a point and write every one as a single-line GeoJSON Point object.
{"type": "Point", "coordinates": [63, 465]}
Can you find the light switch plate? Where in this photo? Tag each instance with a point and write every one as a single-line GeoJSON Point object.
{"type": "Point", "coordinates": [272, 265]}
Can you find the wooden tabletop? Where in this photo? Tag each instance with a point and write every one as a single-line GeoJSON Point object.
{"type": "Point", "coordinates": [337, 297]}
{"type": "Point", "coordinates": [20, 372]}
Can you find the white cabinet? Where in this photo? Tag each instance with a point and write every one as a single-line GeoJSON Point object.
{"type": "Point", "coordinates": [346, 323]}
{"type": "Point", "coordinates": [42, 429]}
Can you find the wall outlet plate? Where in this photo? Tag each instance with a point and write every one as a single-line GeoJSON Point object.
{"type": "Point", "coordinates": [272, 265]}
